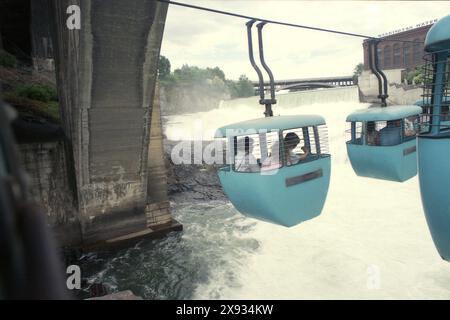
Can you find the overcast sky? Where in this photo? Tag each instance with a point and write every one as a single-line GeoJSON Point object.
{"type": "Point", "coordinates": [207, 40]}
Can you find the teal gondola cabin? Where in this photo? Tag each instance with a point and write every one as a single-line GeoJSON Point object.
{"type": "Point", "coordinates": [278, 168]}
{"type": "Point", "coordinates": [433, 144]}
{"type": "Point", "coordinates": [382, 142]}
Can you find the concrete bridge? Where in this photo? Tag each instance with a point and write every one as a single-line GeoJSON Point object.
{"type": "Point", "coordinates": [308, 83]}
{"type": "Point", "coordinates": [104, 181]}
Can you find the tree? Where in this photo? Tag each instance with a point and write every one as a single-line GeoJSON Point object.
{"type": "Point", "coordinates": [216, 72]}
{"type": "Point", "coordinates": [418, 76]}
{"type": "Point", "coordinates": [358, 70]}
{"type": "Point", "coordinates": [242, 88]}
{"type": "Point", "coordinates": [245, 87]}
{"type": "Point", "coordinates": [163, 67]}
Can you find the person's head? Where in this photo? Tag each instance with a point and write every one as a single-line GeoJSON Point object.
{"type": "Point", "coordinates": [291, 140]}
{"type": "Point", "coordinates": [370, 126]}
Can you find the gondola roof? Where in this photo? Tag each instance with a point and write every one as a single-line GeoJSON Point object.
{"type": "Point", "coordinates": [271, 124]}
{"type": "Point", "coordinates": [438, 37]}
{"type": "Point", "coordinates": [384, 113]}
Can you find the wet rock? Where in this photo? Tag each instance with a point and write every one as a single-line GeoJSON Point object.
{"type": "Point", "coordinates": [192, 181]}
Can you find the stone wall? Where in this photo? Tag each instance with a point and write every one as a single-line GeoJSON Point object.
{"type": "Point", "coordinates": [398, 92]}
{"type": "Point", "coordinates": [106, 75]}
{"type": "Point", "coordinates": [404, 94]}
{"type": "Point", "coordinates": [45, 163]}
{"type": "Point", "coordinates": [368, 83]}
{"type": "Point", "coordinates": [44, 159]}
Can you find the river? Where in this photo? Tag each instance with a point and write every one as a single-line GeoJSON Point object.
{"type": "Point", "coordinates": [370, 242]}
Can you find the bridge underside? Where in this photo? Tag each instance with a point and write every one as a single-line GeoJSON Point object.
{"type": "Point", "coordinates": [308, 84]}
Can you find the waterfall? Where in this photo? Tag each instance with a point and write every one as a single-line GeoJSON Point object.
{"type": "Point", "coordinates": [302, 98]}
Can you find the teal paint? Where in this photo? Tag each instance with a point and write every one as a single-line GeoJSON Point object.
{"type": "Point", "coordinates": [434, 182]}
{"type": "Point", "coordinates": [433, 147]}
{"type": "Point", "coordinates": [287, 195]}
{"type": "Point", "coordinates": [438, 36]}
{"type": "Point", "coordinates": [270, 124]}
{"type": "Point", "coordinates": [388, 162]}
{"type": "Point", "coordinates": [383, 113]}
{"type": "Point", "coordinates": [384, 162]}
{"type": "Point", "coordinates": [265, 196]}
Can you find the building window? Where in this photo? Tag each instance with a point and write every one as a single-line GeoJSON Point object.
{"type": "Point", "coordinates": [397, 56]}
{"type": "Point", "coordinates": [406, 56]}
{"type": "Point", "coordinates": [387, 57]}
{"type": "Point", "coordinates": [417, 51]}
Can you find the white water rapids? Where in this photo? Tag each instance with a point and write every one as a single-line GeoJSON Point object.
{"type": "Point", "coordinates": [370, 242]}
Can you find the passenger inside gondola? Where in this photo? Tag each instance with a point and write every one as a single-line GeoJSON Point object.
{"type": "Point", "coordinates": [411, 127]}
{"type": "Point", "coordinates": [291, 140]}
{"type": "Point", "coordinates": [372, 134]}
{"type": "Point", "coordinates": [245, 161]}
{"type": "Point", "coordinates": [391, 134]}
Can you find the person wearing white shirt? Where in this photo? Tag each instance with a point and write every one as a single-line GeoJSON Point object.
{"type": "Point", "coordinates": [245, 161]}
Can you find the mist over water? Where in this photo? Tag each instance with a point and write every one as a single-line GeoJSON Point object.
{"type": "Point", "coordinates": [370, 242]}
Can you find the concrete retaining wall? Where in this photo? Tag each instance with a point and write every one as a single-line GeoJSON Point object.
{"type": "Point", "coordinates": [398, 92]}
{"type": "Point", "coordinates": [45, 163]}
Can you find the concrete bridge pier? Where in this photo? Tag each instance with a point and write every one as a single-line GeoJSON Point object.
{"type": "Point", "coordinates": [106, 74]}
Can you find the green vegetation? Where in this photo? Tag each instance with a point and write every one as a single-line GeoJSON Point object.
{"type": "Point", "coordinates": [357, 72]}
{"type": "Point", "coordinates": [37, 92]}
{"type": "Point", "coordinates": [7, 60]}
{"type": "Point", "coordinates": [190, 75]}
{"type": "Point", "coordinates": [416, 76]}
{"type": "Point", "coordinates": [209, 79]}
{"type": "Point", "coordinates": [29, 107]}
{"type": "Point", "coordinates": [242, 88]}
{"type": "Point", "coordinates": [163, 67]}
{"type": "Point", "coordinates": [30, 95]}
{"type": "Point", "coordinates": [191, 88]}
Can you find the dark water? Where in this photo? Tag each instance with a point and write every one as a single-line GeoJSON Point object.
{"type": "Point", "coordinates": [211, 248]}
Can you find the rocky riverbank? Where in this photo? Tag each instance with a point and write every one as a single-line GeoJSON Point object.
{"type": "Point", "coordinates": [191, 181]}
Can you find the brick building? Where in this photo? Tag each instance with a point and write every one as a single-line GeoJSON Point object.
{"type": "Point", "coordinates": [398, 54]}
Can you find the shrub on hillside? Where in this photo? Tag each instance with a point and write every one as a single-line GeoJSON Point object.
{"type": "Point", "coordinates": [37, 92]}
{"type": "Point", "coordinates": [7, 59]}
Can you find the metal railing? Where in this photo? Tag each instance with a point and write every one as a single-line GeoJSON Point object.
{"type": "Point", "coordinates": [436, 85]}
